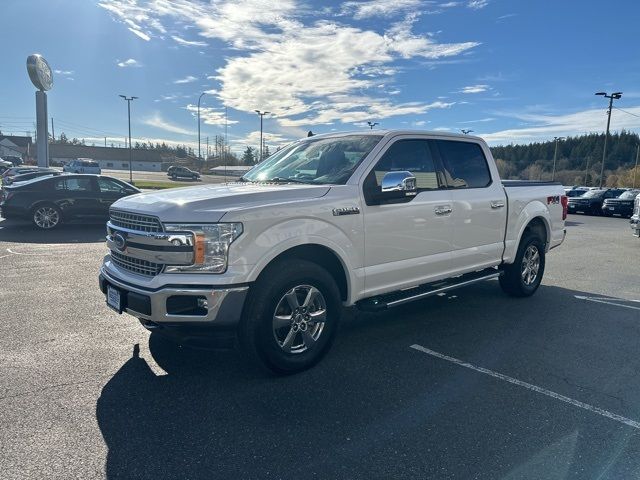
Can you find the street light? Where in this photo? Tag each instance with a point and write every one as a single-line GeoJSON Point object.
{"type": "Point", "coordinates": [612, 97]}
{"type": "Point", "coordinates": [372, 124]}
{"type": "Point", "coordinates": [199, 98]}
{"type": "Point", "coordinates": [555, 155]}
{"type": "Point", "coordinates": [466, 132]}
{"type": "Point", "coordinates": [129, 100]}
{"type": "Point", "coordinates": [262, 114]}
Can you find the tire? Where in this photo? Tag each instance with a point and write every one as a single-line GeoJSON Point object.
{"type": "Point", "coordinates": [46, 216]}
{"type": "Point", "coordinates": [280, 338]}
{"type": "Point", "coordinates": [174, 177]}
{"type": "Point", "coordinates": [518, 282]}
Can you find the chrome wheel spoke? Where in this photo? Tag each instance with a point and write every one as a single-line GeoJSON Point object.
{"type": "Point", "coordinates": [281, 321]}
{"type": "Point", "coordinates": [307, 338]}
{"type": "Point", "coordinates": [288, 341]}
{"type": "Point", "coordinates": [292, 299]}
{"type": "Point", "coordinates": [311, 294]}
{"type": "Point", "coordinates": [318, 317]}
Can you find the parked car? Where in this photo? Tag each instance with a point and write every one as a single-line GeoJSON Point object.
{"type": "Point", "coordinates": [13, 171]}
{"type": "Point", "coordinates": [22, 177]}
{"type": "Point", "coordinates": [373, 220]}
{"type": "Point", "coordinates": [83, 165]}
{"type": "Point", "coordinates": [176, 172]}
{"type": "Point", "coordinates": [622, 205]}
{"type": "Point", "coordinates": [49, 201]}
{"type": "Point", "coordinates": [575, 191]}
{"type": "Point", "coordinates": [591, 201]}
{"type": "Point", "coordinates": [635, 218]}
{"type": "Point", "coordinates": [13, 159]}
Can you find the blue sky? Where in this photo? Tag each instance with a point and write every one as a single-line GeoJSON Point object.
{"type": "Point", "coordinates": [512, 71]}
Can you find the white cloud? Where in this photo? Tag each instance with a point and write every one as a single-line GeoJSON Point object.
{"type": "Point", "coordinates": [188, 43]}
{"type": "Point", "coordinates": [474, 89]}
{"type": "Point", "coordinates": [140, 34]}
{"type": "Point", "coordinates": [449, 4]}
{"type": "Point", "coordinates": [210, 116]}
{"type": "Point", "coordinates": [304, 69]}
{"type": "Point", "coordinates": [379, 8]}
{"type": "Point", "coordinates": [129, 63]}
{"type": "Point", "coordinates": [187, 79]}
{"type": "Point", "coordinates": [158, 122]}
{"type": "Point", "coordinates": [546, 126]}
{"type": "Point", "coordinates": [481, 120]}
{"type": "Point", "coordinates": [477, 4]}
{"type": "Point", "coordinates": [253, 139]}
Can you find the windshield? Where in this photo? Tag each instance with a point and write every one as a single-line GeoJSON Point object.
{"type": "Point", "coordinates": [629, 195]}
{"type": "Point", "coordinates": [594, 193]}
{"type": "Point", "coordinates": [326, 160]}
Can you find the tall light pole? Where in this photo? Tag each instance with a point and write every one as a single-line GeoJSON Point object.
{"type": "Point", "coordinates": [612, 97]}
{"type": "Point", "coordinates": [555, 156]}
{"type": "Point", "coordinates": [199, 98]}
{"type": "Point", "coordinates": [586, 172]}
{"type": "Point", "coordinates": [635, 170]}
{"type": "Point", "coordinates": [262, 114]}
{"type": "Point", "coordinates": [466, 132]}
{"type": "Point", "coordinates": [372, 124]}
{"type": "Point", "coordinates": [129, 100]}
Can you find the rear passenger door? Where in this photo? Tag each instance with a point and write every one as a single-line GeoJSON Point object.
{"type": "Point", "coordinates": [80, 196]}
{"type": "Point", "coordinates": [478, 202]}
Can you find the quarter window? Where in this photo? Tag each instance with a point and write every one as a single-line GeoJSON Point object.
{"type": "Point", "coordinates": [412, 156]}
{"type": "Point", "coordinates": [464, 163]}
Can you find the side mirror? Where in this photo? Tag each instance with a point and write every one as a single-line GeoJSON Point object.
{"type": "Point", "coordinates": [401, 183]}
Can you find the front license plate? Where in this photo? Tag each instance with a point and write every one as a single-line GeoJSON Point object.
{"type": "Point", "coordinates": [113, 298]}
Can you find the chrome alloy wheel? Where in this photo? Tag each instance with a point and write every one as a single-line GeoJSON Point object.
{"type": "Point", "coordinates": [46, 217]}
{"type": "Point", "coordinates": [299, 318]}
{"type": "Point", "coordinates": [530, 265]}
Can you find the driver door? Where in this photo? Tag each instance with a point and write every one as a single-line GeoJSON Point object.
{"type": "Point", "coordinates": [407, 240]}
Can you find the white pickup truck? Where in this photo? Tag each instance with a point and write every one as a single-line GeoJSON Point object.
{"type": "Point", "coordinates": [372, 220]}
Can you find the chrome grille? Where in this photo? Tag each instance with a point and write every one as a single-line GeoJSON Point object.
{"type": "Point", "coordinates": [136, 265]}
{"type": "Point", "coordinates": [135, 221]}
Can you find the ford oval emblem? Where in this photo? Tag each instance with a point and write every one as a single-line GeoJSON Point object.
{"type": "Point", "coordinates": [120, 242]}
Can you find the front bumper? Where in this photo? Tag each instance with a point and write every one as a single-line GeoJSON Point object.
{"type": "Point", "coordinates": [169, 306]}
{"type": "Point", "coordinates": [623, 210]}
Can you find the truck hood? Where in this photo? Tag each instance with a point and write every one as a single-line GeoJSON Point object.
{"type": "Point", "coordinates": [208, 203]}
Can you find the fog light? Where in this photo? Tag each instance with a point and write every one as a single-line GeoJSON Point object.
{"type": "Point", "coordinates": [202, 303]}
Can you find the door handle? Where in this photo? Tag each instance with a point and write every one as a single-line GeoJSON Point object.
{"type": "Point", "coordinates": [497, 204]}
{"type": "Point", "coordinates": [443, 210]}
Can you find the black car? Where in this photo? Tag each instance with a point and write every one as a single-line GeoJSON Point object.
{"type": "Point", "coordinates": [14, 159]}
{"type": "Point", "coordinates": [623, 205]}
{"type": "Point", "coordinates": [591, 202]}
{"type": "Point", "coordinates": [182, 172]}
{"type": "Point", "coordinates": [23, 177]}
{"type": "Point", "coordinates": [49, 201]}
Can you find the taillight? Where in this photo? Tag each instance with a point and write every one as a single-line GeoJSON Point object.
{"type": "Point", "coordinates": [565, 203]}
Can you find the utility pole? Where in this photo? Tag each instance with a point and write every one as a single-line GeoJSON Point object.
{"type": "Point", "coordinates": [199, 98]}
{"type": "Point", "coordinates": [53, 132]}
{"type": "Point", "coordinates": [586, 172]}
{"type": "Point", "coordinates": [129, 100]}
{"type": "Point", "coordinates": [612, 97]}
{"type": "Point", "coordinates": [262, 114]}
{"type": "Point", "coordinates": [635, 170]}
{"type": "Point", "coordinates": [207, 146]}
{"type": "Point", "coordinates": [225, 135]}
{"type": "Point", "coordinates": [555, 156]}
{"type": "Point", "coordinates": [105, 142]}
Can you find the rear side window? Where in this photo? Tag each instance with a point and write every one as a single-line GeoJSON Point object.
{"type": "Point", "coordinates": [74, 184]}
{"type": "Point", "coordinates": [464, 163]}
{"type": "Point", "coordinates": [412, 156]}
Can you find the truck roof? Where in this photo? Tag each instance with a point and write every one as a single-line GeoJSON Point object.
{"type": "Point", "coordinates": [394, 132]}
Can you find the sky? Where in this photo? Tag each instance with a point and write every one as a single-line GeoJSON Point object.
{"type": "Point", "coordinates": [511, 71]}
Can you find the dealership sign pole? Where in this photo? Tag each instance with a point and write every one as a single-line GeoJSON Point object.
{"type": "Point", "coordinates": [42, 78]}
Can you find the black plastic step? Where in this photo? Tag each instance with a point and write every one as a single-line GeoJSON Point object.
{"type": "Point", "coordinates": [394, 299]}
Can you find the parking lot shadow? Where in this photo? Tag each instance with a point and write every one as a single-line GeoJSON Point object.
{"type": "Point", "coordinates": [374, 408]}
{"type": "Point", "coordinates": [23, 232]}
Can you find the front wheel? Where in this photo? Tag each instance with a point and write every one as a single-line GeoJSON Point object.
{"type": "Point", "coordinates": [522, 278]}
{"type": "Point", "coordinates": [46, 217]}
{"type": "Point", "coordinates": [291, 317]}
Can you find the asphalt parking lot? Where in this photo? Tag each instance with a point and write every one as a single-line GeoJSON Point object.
{"type": "Point", "coordinates": [473, 384]}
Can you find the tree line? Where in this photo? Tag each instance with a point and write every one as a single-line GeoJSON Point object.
{"type": "Point", "coordinates": [579, 160]}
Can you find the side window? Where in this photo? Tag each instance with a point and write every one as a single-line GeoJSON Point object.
{"type": "Point", "coordinates": [464, 163]}
{"type": "Point", "coordinates": [78, 184]}
{"type": "Point", "coordinates": [59, 185]}
{"type": "Point", "coordinates": [409, 155]}
{"type": "Point", "coordinates": [108, 185]}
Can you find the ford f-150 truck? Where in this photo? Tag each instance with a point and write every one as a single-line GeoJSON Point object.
{"type": "Point", "coordinates": [372, 220]}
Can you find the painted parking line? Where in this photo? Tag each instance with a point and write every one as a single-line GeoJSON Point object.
{"type": "Point", "coordinates": [529, 386]}
{"type": "Point", "coordinates": [610, 301]}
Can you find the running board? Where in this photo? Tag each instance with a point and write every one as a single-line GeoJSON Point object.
{"type": "Point", "coordinates": [394, 299]}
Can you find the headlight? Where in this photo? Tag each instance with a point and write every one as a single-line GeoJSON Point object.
{"type": "Point", "coordinates": [211, 246]}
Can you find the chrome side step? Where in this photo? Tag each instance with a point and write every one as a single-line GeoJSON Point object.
{"type": "Point", "coordinates": [394, 299]}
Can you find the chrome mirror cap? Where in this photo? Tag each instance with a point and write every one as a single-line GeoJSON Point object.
{"type": "Point", "coordinates": [401, 181]}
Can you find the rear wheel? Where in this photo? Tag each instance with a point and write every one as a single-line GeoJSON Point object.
{"type": "Point", "coordinates": [46, 217]}
{"type": "Point", "coordinates": [522, 278]}
{"type": "Point", "coordinates": [291, 317]}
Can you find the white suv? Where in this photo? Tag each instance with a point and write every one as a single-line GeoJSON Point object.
{"type": "Point", "coordinates": [82, 165]}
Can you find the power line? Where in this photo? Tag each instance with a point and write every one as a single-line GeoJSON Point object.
{"type": "Point", "coordinates": [630, 113]}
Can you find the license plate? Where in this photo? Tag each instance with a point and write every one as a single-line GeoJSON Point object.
{"type": "Point", "coordinates": [113, 298]}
